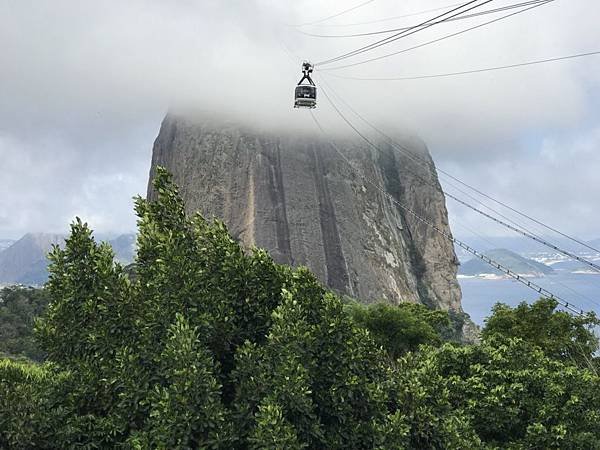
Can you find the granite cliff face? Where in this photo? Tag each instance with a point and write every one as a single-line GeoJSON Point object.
{"type": "Point", "coordinates": [297, 197]}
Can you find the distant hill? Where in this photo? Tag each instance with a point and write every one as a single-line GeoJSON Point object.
{"type": "Point", "coordinates": [572, 266]}
{"type": "Point", "coordinates": [25, 261]}
{"type": "Point", "coordinates": [124, 248]}
{"type": "Point", "coordinates": [509, 259]}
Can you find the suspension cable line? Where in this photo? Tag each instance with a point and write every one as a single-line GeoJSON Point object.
{"type": "Point", "coordinates": [466, 72]}
{"type": "Point", "coordinates": [448, 36]}
{"type": "Point", "coordinates": [333, 16]}
{"type": "Point", "coordinates": [430, 165]}
{"type": "Point", "coordinates": [387, 19]}
{"type": "Point", "coordinates": [415, 29]}
{"type": "Point", "coordinates": [540, 290]}
{"type": "Point", "coordinates": [392, 30]}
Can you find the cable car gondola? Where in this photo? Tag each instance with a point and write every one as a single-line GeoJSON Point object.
{"type": "Point", "coordinates": [305, 95]}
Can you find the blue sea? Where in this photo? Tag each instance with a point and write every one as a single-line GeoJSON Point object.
{"type": "Point", "coordinates": [479, 295]}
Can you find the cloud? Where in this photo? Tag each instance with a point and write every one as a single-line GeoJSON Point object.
{"type": "Point", "coordinates": [84, 86]}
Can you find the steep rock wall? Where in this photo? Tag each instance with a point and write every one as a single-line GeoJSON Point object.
{"type": "Point", "coordinates": [297, 197]}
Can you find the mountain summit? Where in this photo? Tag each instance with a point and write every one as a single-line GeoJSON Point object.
{"type": "Point", "coordinates": [297, 197]}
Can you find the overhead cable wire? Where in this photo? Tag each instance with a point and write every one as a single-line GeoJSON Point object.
{"type": "Point", "coordinates": [412, 30]}
{"type": "Point", "coordinates": [460, 17]}
{"type": "Point", "coordinates": [466, 72]}
{"type": "Point", "coordinates": [452, 177]}
{"type": "Point", "coordinates": [387, 19]}
{"type": "Point", "coordinates": [448, 36]}
{"type": "Point", "coordinates": [540, 290]}
{"type": "Point", "coordinates": [333, 16]}
{"type": "Point", "coordinates": [415, 29]}
{"type": "Point", "coordinates": [516, 229]}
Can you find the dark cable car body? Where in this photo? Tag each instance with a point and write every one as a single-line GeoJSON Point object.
{"type": "Point", "coordinates": [305, 95]}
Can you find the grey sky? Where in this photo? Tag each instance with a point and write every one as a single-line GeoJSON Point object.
{"type": "Point", "coordinates": [84, 86]}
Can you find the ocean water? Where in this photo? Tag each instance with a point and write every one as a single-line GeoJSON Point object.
{"type": "Point", "coordinates": [479, 295]}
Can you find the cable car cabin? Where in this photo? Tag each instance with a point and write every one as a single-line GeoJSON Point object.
{"type": "Point", "coordinates": [305, 96]}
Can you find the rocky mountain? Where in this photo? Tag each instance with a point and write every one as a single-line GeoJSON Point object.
{"type": "Point", "coordinates": [124, 247]}
{"type": "Point", "coordinates": [509, 259]}
{"type": "Point", "coordinates": [25, 261]}
{"type": "Point", "coordinates": [296, 196]}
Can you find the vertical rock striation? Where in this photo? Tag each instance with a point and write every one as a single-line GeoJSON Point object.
{"type": "Point", "coordinates": [298, 198]}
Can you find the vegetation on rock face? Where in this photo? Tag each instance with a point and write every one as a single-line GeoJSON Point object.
{"type": "Point", "coordinates": [210, 347]}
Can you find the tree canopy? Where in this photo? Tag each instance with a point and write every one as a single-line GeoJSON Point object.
{"type": "Point", "coordinates": [558, 334]}
{"type": "Point", "coordinates": [400, 328]}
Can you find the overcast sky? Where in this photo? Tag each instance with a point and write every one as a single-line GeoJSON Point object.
{"type": "Point", "coordinates": [84, 86]}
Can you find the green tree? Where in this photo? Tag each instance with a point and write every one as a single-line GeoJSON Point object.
{"type": "Point", "coordinates": [400, 328]}
{"type": "Point", "coordinates": [517, 397]}
{"type": "Point", "coordinates": [185, 412]}
{"type": "Point", "coordinates": [90, 313]}
{"type": "Point", "coordinates": [558, 334]}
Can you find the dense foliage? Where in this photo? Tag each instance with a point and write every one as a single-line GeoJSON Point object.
{"type": "Point", "coordinates": [562, 336]}
{"type": "Point", "coordinates": [210, 347]}
{"type": "Point", "coordinates": [19, 306]}
{"type": "Point", "coordinates": [401, 328]}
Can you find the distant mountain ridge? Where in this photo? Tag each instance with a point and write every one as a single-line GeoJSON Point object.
{"type": "Point", "coordinates": [509, 259]}
{"type": "Point", "coordinates": [25, 261]}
